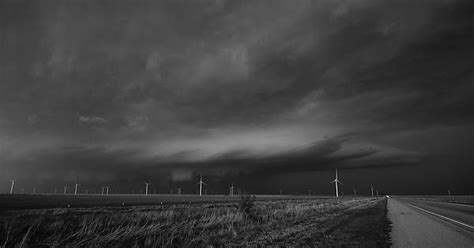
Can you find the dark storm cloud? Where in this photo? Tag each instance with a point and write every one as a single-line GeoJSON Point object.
{"type": "Point", "coordinates": [92, 120]}
{"type": "Point", "coordinates": [229, 85]}
{"type": "Point", "coordinates": [76, 162]}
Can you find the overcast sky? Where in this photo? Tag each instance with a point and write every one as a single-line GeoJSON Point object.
{"type": "Point", "coordinates": [268, 94]}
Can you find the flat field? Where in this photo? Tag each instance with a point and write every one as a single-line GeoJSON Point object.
{"type": "Point", "coordinates": [243, 221]}
{"type": "Point", "coordinates": [27, 201]}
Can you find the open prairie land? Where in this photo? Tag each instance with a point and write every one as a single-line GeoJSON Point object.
{"type": "Point", "coordinates": [29, 201]}
{"type": "Point", "coordinates": [314, 222]}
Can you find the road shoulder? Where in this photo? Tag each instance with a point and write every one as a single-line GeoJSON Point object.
{"type": "Point", "coordinates": [410, 228]}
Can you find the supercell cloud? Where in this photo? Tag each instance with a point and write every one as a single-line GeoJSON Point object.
{"type": "Point", "coordinates": [107, 91]}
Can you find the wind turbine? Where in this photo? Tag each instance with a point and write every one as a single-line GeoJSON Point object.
{"type": "Point", "coordinates": [75, 188]}
{"type": "Point", "coordinates": [372, 190]}
{"type": "Point", "coordinates": [200, 185]}
{"type": "Point", "coordinates": [179, 191]}
{"type": "Point", "coordinates": [103, 190]}
{"type": "Point", "coordinates": [65, 190]}
{"type": "Point", "coordinates": [355, 192]}
{"type": "Point", "coordinates": [107, 188]}
{"type": "Point", "coordinates": [146, 188]}
{"type": "Point", "coordinates": [231, 190]}
{"type": "Point", "coordinates": [34, 190]}
{"type": "Point", "coordinates": [336, 181]}
{"type": "Point", "coordinates": [11, 188]}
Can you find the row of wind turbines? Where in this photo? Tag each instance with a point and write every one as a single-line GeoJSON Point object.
{"type": "Point", "coordinates": [337, 182]}
{"type": "Point", "coordinates": [105, 189]}
{"type": "Point", "coordinates": [76, 185]}
{"type": "Point", "coordinates": [201, 183]}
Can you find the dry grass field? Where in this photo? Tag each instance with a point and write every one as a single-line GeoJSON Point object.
{"type": "Point", "coordinates": [37, 201]}
{"type": "Point", "coordinates": [314, 222]}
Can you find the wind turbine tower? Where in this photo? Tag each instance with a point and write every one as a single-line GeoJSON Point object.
{"type": "Point", "coordinates": [75, 188]}
{"type": "Point", "coordinates": [336, 181]}
{"type": "Point", "coordinates": [200, 185]}
{"type": "Point", "coordinates": [372, 190]}
{"type": "Point", "coordinates": [11, 187]}
{"type": "Point", "coordinates": [107, 190]}
{"type": "Point", "coordinates": [146, 188]}
{"type": "Point", "coordinates": [34, 190]}
{"type": "Point", "coordinates": [65, 189]}
{"type": "Point", "coordinates": [231, 190]}
{"type": "Point", "coordinates": [179, 190]}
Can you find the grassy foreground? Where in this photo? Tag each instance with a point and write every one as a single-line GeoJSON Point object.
{"type": "Point", "coordinates": [359, 222]}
